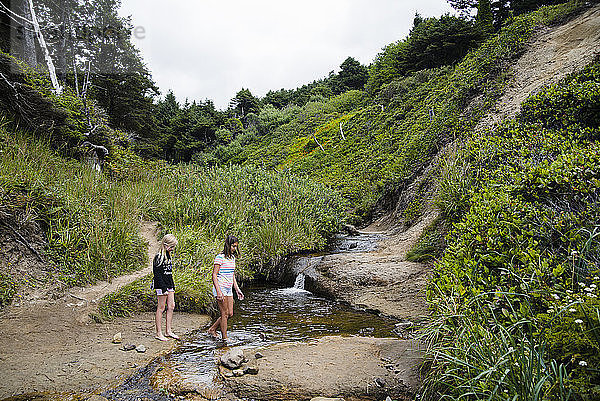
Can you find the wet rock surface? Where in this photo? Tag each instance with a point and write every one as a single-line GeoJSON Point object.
{"type": "Point", "coordinates": [333, 367]}
{"type": "Point", "coordinates": [369, 271]}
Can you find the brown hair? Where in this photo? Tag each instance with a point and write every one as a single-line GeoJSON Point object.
{"type": "Point", "coordinates": [230, 240]}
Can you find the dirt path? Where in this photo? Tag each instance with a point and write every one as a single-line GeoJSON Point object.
{"type": "Point", "coordinates": [85, 299]}
{"type": "Point", "coordinates": [53, 345]}
{"type": "Point", "coordinates": [551, 55]}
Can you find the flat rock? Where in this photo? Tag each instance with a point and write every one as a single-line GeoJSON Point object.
{"type": "Point", "coordinates": [326, 399]}
{"type": "Point", "coordinates": [333, 367]}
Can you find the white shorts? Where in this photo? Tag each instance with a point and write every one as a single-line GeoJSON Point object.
{"type": "Point", "coordinates": [226, 291]}
{"type": "Point", "coordinates": [160, 292]}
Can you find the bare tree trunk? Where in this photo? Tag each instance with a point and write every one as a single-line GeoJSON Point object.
{"type": "Point", "coordinates": [61, 55]}
{"type": "Point", "coordinates": [29, 50]}
{"type": "Point", "coordinates": [49, 63]}
{"type": "Point", "coordinates": [317, 141]}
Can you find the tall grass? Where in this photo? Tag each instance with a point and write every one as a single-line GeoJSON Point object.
{"type": "Point", "coordinates": [475, 355]}
{"type": "Point", "coordinates": [91, 224]}
{"type": "Point", "coordinates": [91, 220]}
{"type": "Point", "coordinates": [273, 214]}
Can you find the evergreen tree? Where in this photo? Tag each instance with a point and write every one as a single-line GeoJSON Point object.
{"type": "Point", "coordinates": [244, 103]}
{"type": "Point", "coordinates": [485, 18]}
{"type": "Point", "coordinates": [353, 74]}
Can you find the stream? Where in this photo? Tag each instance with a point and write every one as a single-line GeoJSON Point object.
{"type": "Point", "coordinates": [267, 315]}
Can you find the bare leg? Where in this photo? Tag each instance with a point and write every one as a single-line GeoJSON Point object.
{"type": "Point", "coordinates": [213, 329]}
{"type": "Point", "coordinates": [170, 308]}
{"type": "Point", "coordinates": [226, 313]}
{"type": "Point", "coordinates": [162, 300]}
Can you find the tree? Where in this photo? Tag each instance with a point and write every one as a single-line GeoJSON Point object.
{"type": "Point", "coordinates": [500, 9]}
{"type": "Point", "coordinates": [432, 42]}
{"type": "Point", "coordinates": [485, 18]}
{"type": "Point", "coordinates": [353, 74]}
{"type": "Point", "coordinates": [244, 103]}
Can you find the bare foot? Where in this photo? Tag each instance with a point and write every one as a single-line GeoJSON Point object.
{"type": "Point", "coordinates": [161, 337]}
{"type": "Point", "coordinates": [173, 335]}
{"type": "Point", "coordinates": [212, 333]}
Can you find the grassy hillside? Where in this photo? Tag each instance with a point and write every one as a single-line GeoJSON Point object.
{"type": "Point", "coordinates": [515, 294]}
{"type": "Point", "coordinates": [366, 147]}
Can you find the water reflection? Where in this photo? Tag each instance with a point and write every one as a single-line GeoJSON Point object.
{"type": "Point", "coordinates": [271, 315]}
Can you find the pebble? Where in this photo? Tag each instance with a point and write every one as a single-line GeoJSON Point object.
{"type": "Point", "coordinates": [117, 338]}
{"type": "Point", "coordinates": [326, 399]}
{"type": "Point", "coordinates": [237, 372]}
{"type": "Point", "coordinates": [251, 370]}
{"type": "Point", "coordinates": [258, 355]}
{"type": "Point", "coordinates": [140, 348]}
{"type": "Point", "coordinates": [127, 347]}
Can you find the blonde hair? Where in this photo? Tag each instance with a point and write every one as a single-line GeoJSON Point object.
{"type": "Point", "coordinates": [168, 240]}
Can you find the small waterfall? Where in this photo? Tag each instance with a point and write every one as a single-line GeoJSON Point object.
{"type": "Point", "coordinates": [298, 287]}
{"type": "Point", "coordinates": [299, 283]}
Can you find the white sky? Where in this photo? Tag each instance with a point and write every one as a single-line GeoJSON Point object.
{"type": "Point", "coordinates": [205, 49]}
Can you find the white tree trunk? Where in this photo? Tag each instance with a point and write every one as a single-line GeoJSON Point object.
{"type": "Point", "coordinates": [49, 63]}
{"type": "Point", "coordinates": [29, 51]}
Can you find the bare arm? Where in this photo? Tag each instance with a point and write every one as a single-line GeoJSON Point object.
{"type": "Point", "coordinates": [216, 269]}
{"type": "Point", "coordinates": [239, 292]}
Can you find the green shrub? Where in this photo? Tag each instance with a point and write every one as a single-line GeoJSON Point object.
{"type": "Point", "coordinates": [525, 253]}
{"type": "Point", "coordinates": [8, 289]}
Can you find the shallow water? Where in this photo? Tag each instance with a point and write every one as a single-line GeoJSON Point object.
{"type": "Point", "coordinates": [271, 315]}
{"type": "Point", "coordinates": [266, 316]}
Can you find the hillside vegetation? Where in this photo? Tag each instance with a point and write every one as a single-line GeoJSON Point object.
{"type": "Point", "coordinates": [367, 146]}
{"type": "Point", "coordinates": [514, 253]}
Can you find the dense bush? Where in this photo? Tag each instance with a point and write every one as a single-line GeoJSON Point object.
{"type": "Point", "coordinates": [432, 42]}
{"type": "Point", "coordinates": [525, 254]}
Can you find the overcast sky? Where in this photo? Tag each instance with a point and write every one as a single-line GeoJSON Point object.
{"type": "Point", "coordinates": [205, 49]}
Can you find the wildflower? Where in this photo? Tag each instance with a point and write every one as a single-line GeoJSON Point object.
{"type": "Point", "coordinates": [550, 311]}
{"type": "Point", "coordinates": [569, 292]}
{"type": "Point", "coordinates": [582, 363]}
{"type": "Point", "coordinates": [592, 285]}
{"type": "Point", "coordinates": [596, 278]}
{"type": "Point", "coordinates": [555, 296]}
{"type": "Point", "coordinates": [586, 289]}
{"type": "Point", "coordinates": [581, 284]}
{"type": "Point", "coordinates": [572, 310]}
{"type": "Point", "coordinates": [591, 295]}
{"type": "Point", "coordinates": [578, 321]}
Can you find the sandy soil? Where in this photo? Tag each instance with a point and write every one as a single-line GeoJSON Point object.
{"type": "Point", "coordinates": [53, 345]}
